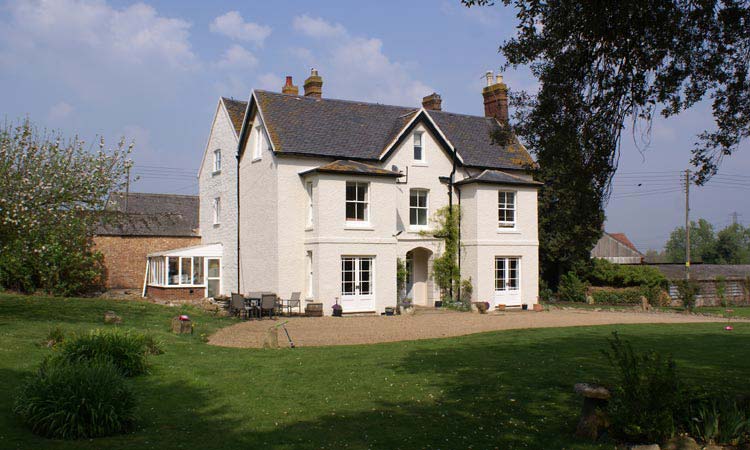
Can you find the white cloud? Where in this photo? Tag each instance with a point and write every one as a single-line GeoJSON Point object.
{"type": "Point", "coordinates": [60, 111]}
{"type": "Point", "coordinates": [234, 26]}
{"type": "Point", "coordinates": [134, 35]}
{"type": "Point", "coordinates": [358, 68]}
{"type": "Point", "coordinates": [236, 57]}
{"type": "Point", "coordinates": [317, 27]}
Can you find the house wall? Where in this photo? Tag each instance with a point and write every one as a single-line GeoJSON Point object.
{"type": "Point", "coordinates": [175, 293]}
{"type": "Point", "coordinates": [222, 185]}
{"type": "Point", "coordinates": [259, 236]}
{"type": "Point", "coordinates": [125, 256]}
{"type": "Point", "coordinates": [483, 240]}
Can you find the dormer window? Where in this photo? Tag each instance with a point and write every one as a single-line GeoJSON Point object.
{"type": "Point", "coordinates": [418, 147]}
{"type": "Point", "coordinates": [217, 160]}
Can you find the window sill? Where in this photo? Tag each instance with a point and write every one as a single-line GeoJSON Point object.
{"type": "Point", "coordinates": [256, 159]}
{"type": "Point", "coordinates": [419, 164]}
{"type": "Point", "coordinates": [359, 226]}
{"type": "Point", "coordinates": [216, 172]}
{"type": "Point", "coordinates": [217, 225]}
{"type": "Point", "coordinates": [508, 231]}
{"type": "Point", "coordinates": [184, 286]}
{"type": "Point", "coordinates": [419, 229]}
{"type": "Point", "coordinates": [309, 228]}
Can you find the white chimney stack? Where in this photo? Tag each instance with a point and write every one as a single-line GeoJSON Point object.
{"type": "Point", "coordinates": [489, 77]}
{"type": "Point", "coordinates": [499, 79]}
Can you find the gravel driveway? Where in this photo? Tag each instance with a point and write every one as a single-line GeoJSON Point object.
{"type": "Point", "coordinates": [426, 324]}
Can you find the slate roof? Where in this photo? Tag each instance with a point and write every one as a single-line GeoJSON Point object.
{"type": "Point", "coordinates": [150, 215]}
{"type": "Point", "coordinates": [349, 167]}
{"type": "Point", "coordinates": [498, 177]}
{"type": "Point", "coordinates": [704, 272]}
{"type": "Point", "coordinates": [353, 130]}
{"type": "Point", "coordinates": [236, 110]}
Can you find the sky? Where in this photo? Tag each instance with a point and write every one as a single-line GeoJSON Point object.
{"type": "Point", "coordinates": [152, 72]}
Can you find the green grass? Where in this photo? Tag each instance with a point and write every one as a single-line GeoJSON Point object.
{"type": "Point", "coordinates": [511, 389]}
{"type": "Point", "coordinates": [742, 312]}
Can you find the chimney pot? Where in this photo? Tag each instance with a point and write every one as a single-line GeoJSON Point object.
{"type": "Point", "coordinates": [432, 102]}
{"type": "Point", "coordinates": [496, 98]}
{"type": "Point", "coordinates": [488, 75]}
{"type": "Point", "coordinates": [289, 87]}
{"type": "Point", "coordinates": [314, 85]}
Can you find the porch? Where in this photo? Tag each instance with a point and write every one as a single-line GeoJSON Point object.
{"type": "Point", "coordinates": [184, 273]}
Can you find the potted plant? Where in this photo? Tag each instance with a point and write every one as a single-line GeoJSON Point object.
{"type": "Point", "coordinates": [338, 311]}
{"type": "Point", "coordinates": [524, 307]}
{"type": "Point", "coordinates": [389, 310]}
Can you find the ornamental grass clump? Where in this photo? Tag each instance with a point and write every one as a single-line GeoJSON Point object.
{"type": "Point", "coordinates": [84, 399]}
{"type": "Point", "coordinates": [127, 351]}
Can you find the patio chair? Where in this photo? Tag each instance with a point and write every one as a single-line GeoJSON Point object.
{"type": "Point", "coordinates": [237, 305]}
{"type": "Point", "coordinates": [294, 302]}
{"type": "Point", "coordinates": [268, 305]}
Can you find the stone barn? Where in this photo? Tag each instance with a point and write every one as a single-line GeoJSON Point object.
{"type": "Point", "coordinates": [736, 282]}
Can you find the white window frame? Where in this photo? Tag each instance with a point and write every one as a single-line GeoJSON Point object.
{"type": "Point", "coordinates": [309, 189]}
{"type": "Point", "coordinates": [217, 210]}
{"type": "Point", "coordinates": [426, 208]}
{"type": "Point", "coordinates": [420, 136]}
{"type": "Point", "coordinates": [506, 273]}
{"type": "Point", "coordinates": [356, 222]}
{"type": "Point", "coordinates": [503, 206]}
{"type": "Point", "coordinates": [217, 161]}
{"type": "Point", "coordinates": [310, 275]}
{"type": "Point", "coordinates": [260, 140]}
{"type": "Point", "coordinates": [159, 271]}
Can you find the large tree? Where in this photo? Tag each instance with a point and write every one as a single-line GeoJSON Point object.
{"type": "Point", "coordinates": [52, 193]}
{"type": "Point", "coordinates": [602, 64]}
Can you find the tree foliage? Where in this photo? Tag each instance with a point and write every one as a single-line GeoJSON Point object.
{"type": "Point", "coordinates": [52, 193]}
{"type": "Point", "coordinates": [602, 64]}
{"type": "Point", "coordinates": [730, 245]}
{"type": "Point", "coordinates": [445, 267]}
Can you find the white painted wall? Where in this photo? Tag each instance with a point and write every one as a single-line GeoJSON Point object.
{"type": "Point", "coordinates": [223, 185]}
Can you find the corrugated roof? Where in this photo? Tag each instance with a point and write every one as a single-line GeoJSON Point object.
{"type": "Point", "coordinates": [498, 177]}
{"type": "Point", "coordinates": [236, 110]}
{"type": "Point", "coordinates": [362, 131]}
{"type": "Point", "coordinates": [353, 168]}
{"type": "Point", "coordinates": [705, 272]}
{"type": "Point", "coordinates": [147, 214]}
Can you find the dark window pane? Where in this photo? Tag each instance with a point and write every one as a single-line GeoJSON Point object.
{"type": "Point", "coordinates": [351, 211]}
{"type": "Point", "coordinates": [350, 191]}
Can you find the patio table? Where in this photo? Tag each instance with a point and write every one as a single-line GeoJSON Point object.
{"type": "Point", "coordinates": [252, 305]}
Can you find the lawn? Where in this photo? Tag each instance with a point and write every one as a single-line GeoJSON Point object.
{"type": "Point", "coordinates": [510, 389]}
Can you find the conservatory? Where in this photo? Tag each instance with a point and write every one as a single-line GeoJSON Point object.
{"type": "Point", "coordinates": [184, 273]}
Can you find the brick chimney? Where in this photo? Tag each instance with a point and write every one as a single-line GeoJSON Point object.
{"type": "Point", "coordinates": [495, 98]}
{"type": "Point", "coordinates": [432, 102]}
{"type": "Point", "coordinates": [289, 88]}
{"type": "Point", "coordinates": [314, 85]}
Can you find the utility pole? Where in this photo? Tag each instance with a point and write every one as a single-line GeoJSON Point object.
{"type": "Point", "coordinates": [735, 218]}
{"type": "Point", "coordinates": [687, 224]}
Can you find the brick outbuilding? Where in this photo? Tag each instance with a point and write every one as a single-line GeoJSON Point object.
{"type": "Point", "coordinates": [139, 224]}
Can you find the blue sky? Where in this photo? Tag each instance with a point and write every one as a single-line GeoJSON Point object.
{"type": "Point", "coordinates": [153, 71]}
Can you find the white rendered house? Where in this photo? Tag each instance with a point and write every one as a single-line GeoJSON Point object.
{"type": "Point", "coordinates": [333, 192]}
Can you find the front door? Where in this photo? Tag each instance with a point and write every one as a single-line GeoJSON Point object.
{"type": "Point", "coordinates": [507, 281]}
{"type": "Point", "coordinates": [357, 284]}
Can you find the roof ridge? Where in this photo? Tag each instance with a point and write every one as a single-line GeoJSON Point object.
{"type": "Point", "coordinates": [328, 99]}
{"type": "Point", "coordinates": [155, 194]}
{"type": "Point", "coordinates": [473, 116]}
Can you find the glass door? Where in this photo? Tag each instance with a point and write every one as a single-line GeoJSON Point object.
{"type": "Point", "coordinates": [213, 277]}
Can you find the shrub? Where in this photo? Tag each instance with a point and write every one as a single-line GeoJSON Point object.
{"type": "Point", "coordinates": [605, 273]}
{"type": "Point", "coordinates": [721, 290]}
{"type": "Point", "coordinates": [79, 400]}
{"type": "Point", "coordinates": [127, 351]}
{"type": "Point", "coordinates": [571, 288]}
{"type": "Point", "coordinates": [687, 290]}
{"type": "Point", "coordinates": [615, 296]}
{"type": "Point", "coordinates": [467, 289]}
{"type": "Point", "coordinates": [648, 396]}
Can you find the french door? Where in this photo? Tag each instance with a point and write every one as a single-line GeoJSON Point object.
{"type": "Point", "coordinates": [507, 280]}
{"type": "Point", "coordinates": [357, 283]}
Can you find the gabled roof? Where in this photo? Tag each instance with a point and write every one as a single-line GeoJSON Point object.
{"type": "Point", "coordinates": [498, 177]}
{"type": "Point", "coordinates": [621, 238]}
{"type": "Point", "coordinates": [363, 131]}
{"type": "Point", "coordinates": [150, 215]}
{"type": "Point", "coordinates": [236, 111]}
{"type": "Point", "coordinates": [348, 167]}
